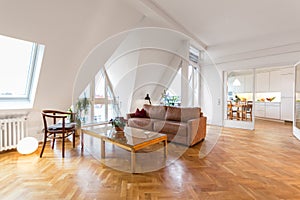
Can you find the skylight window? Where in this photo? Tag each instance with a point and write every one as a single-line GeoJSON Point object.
{"type": "Point", "coordinates": [20, 64]}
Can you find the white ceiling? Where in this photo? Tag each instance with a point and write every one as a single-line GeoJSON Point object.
{"type": "Point", "coordinates": [235, 33]}
{"type": "Point", "coordinates": [216, 22]}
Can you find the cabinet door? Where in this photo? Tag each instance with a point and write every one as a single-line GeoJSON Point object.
{"type": "Point", "coordinates": [275, 81]}
{"type": "Point", "coordinates": [259, 110]}
{"type": "Point", "coordinates": [262, 82]}
{"type": "Point", "coordinates": [273, 110]}
{"type": "Point", "coordinates": [287, 109]}
{"type": "Point", "coordinates": [248, 83]}
{"type": "Point", "coordinates": [287, 82]}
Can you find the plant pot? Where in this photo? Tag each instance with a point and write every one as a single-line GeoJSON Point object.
{"type": "Point", "coordinates": [118, 128]}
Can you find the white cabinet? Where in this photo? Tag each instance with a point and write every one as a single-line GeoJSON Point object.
{"type": "Point", "coordinates": [267, 110]}
{"type": "Point", "coordinates": [287, 83]}
{"type": "Point", "coordinates": [287, 109]}
{"type": "Point", "coordinates": [248, 83]}
{"type": "Point", "coordinates": [275, 81]}
{"type": "Point", "coordinates": [278, 80]}
{"type": "Point", "coordinates": [262, 82]}
{"type": "Point", "coordinates": [239, 88]}
{"type": "Point", "coordinates": [259, 109]}
{"type": "Point", "coordinates": [245, 86]}
{"type": "Point", "coordinates": [273, 110]}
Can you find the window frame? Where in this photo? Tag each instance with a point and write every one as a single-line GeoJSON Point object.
{"type": "Point", "coordinates": [25, 101]}
{"type": "Point", "coordinates": [30, 77]}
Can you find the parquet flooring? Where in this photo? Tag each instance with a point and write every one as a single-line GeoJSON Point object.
{"type": "Point", "coordinates": [229, 164]}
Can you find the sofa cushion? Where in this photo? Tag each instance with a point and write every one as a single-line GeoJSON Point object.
{"type": "Point", "coordinates": [182, 114]}
{"type": "Point", "coordinates": [143, 123]}
{"type": "Point", "coordinates": [173, 114]}
{"type": "Point", "coordinates": [171, 127]}
{"type": "Point", "coordinates": [155, 112]}
{"type": "Point", "coordinates": [190, 113]}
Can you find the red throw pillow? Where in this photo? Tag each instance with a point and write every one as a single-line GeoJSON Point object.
{"type": "Point", "coordinates": [140, 113]}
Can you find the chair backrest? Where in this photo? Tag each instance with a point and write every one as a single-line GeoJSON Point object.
{"type": "Point", "coordinates": [249, 107]}
{"type": "Point", "coordinates": [229, 106]}
{"type": "Point", "coordinates": [249, 102]}
{"type": "Point", "coordinates": [51, 117]}
{"type": "Point", "coordinates": [243, 102]}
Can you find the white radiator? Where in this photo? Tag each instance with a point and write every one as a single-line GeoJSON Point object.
{"type": "Point", "coordinates": [11, 132]}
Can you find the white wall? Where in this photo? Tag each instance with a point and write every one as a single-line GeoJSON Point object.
{"type": "Point", "coordinates": [69, 29]}
{"type": "Point", "coordinates": [145, 62]}
{"type": "Point", "coordinates": [211, 93]}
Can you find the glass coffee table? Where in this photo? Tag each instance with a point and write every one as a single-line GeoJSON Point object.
{"type": "Point", "coordinates": [131, 139]}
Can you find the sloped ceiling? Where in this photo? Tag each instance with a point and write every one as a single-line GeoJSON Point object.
{"type": "Point", "coordinates": [69, 30]}
{"type": "Point", "coordinates": [217, 22]}
{"type": "Point", "coordinates": [232, 30]}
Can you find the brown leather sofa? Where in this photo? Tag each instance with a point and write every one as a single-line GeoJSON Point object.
{"type": "Point", "coordinates": [182, 125]}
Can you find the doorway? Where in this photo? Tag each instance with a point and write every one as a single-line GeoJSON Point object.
{"type": "Point", "coordinates": [239, 99]}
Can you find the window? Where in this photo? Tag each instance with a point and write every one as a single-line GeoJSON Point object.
{"type": "Point", "coordinates": [104, 106]}
{"type": "Point", "coordinates": [194, 54]}
{"type": "Point", "coordinates": [20, 63]}
{"type": "Point", "coordinates": [194, 87]}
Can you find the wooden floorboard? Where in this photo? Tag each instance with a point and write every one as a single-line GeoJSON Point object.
{"type": "Point", "coordinates": [229, 164]}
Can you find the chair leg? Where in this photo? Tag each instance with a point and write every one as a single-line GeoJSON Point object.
{"type": "Point", "coordinates": [63, 144]}
{"type": "Point", "coordinates": [53, 141]}
{"type": "Point", "coordinates": [73, 139]}
{"type": "Point", "coordinates": [44, 144]}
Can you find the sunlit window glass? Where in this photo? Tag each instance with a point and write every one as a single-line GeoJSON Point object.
{"type": "Point", "coordinates": [17, 59]}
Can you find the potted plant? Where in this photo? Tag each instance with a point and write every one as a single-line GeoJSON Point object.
{"type": "Point", "coordinates": [119, 123]}
{"type": "Point", "coordinates": [237, 99]}
{"type": "Point", "coordinates": [81, 109]}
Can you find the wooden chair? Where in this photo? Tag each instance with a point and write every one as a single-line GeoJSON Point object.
{"type": "Point", "coordinates": [56, 127]}
{"type": "Point", "coordinates": [248, 110]}
{"type": "Point", "coordinates": [230, 111]}
{"type": "Point", "coordinates": [241, 106]}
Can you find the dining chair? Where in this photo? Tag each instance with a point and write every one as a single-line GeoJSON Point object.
{"type": "Point", "coordinates": [240, 112]}
{"type": "Point", "coordinates": [231, 112]}
{"type": "Point", "coordinates": [248, 110]}
{"type": "Point", "coordinates": [57, 127]}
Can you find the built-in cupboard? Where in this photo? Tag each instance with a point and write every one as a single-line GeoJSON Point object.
{"type": "Point", "coordinates": [278, 83]}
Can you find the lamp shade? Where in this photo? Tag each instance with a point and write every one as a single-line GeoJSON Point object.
{"type": "Point", "coordinates": [148, 98]}
{"type": "Point", "coordinates": [27, 145]}
{"type": "Point", "coordinates": [236, 82]}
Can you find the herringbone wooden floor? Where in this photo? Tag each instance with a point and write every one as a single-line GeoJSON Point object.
{"type": "Point", "coordinates": [242, 164]}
